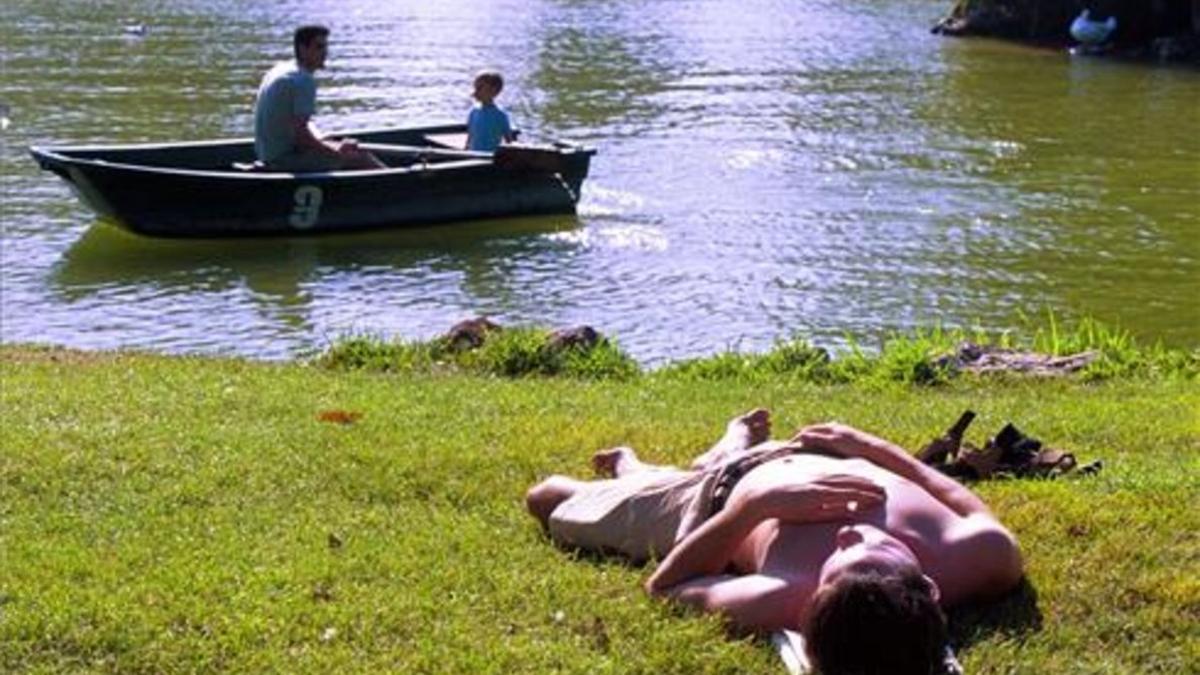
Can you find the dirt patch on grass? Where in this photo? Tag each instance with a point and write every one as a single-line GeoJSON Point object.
{"type": "Point", "coordinates": [29, 354]}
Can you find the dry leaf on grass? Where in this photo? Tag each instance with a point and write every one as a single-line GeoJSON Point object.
{"type": "Point", "coordinates": [339, 416]}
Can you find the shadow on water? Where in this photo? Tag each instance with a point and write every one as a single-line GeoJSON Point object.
{"type": "Point", "coordinates": [280, 267]}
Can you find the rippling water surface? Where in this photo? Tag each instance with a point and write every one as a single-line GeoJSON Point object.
{"type": "Point", "coordinates": [766, 168]}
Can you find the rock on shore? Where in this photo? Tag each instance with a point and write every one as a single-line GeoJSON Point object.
{"type": "Point", "coordinates": [1165, 30]}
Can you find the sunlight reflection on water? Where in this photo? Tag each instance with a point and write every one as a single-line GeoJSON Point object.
{"type": "Point", "coordinates": [765, 168]}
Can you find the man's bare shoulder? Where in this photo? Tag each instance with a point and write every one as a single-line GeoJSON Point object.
{"type": "Point", "coordinates": [982, 559]}
{"type": "Point", "coordinates": [981, 532]}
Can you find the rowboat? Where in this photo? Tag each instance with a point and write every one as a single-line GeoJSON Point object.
{"type": "Point", "coordinates": [215, 189]}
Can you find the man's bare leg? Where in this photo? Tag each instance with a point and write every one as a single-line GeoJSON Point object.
{"type": "Point", "coordinates": [742, 433]}
{"type": "Point", "coordinates": [543, 498]}
{"type": "Point", "coordinates": [361, 159]}
{"type": "Point", "coordinates": [620, 461]}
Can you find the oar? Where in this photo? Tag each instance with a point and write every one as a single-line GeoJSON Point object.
{"type": "Point", "coordinates": [386, 149]}
{"type": "Point", "coordinates": [513, 157]}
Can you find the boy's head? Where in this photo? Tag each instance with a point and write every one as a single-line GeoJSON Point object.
{"type": "Point", "coordinates": [488, 84]}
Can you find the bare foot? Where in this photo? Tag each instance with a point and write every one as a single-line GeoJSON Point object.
{"type": "Point", "coordinates": [615, 462]}
{"type": "Point", "coordinates": [742, 433]}
{"type": "Point", "coordinates": [756, 425]}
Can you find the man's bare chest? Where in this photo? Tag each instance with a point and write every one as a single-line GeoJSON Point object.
{"type": "Point", "coordinates": [799, 549]}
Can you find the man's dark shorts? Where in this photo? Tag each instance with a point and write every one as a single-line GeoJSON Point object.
{"type": "Point", "coordinates": [304, 161]}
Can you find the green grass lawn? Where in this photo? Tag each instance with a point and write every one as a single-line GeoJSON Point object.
{"type": "Point", "coordinates": [166, 514]}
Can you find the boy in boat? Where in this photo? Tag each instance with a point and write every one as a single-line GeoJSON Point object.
{"type": "Point", "coordinates": [488, 124]}
{"type": "Point", "coordinates": [838, 534]}
{"type": "Point", "coordinates": [285, 138]}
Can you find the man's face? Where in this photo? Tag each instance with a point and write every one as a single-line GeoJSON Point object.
{"type": "Point", "coordinates": [312, 55]}
{"type": "Point", "coordinates": [862, 548]}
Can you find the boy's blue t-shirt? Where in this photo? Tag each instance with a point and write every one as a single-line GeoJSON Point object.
{"type": "Point", "coordinates": [487, 125]}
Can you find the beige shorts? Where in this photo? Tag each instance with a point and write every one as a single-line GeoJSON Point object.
{"type": "Point", "coordinates": [645, 514]}
{"type": "Point", "coordinates": [640, 516]}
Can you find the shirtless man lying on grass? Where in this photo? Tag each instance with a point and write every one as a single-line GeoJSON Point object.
{"type": "Point", "coordinates": [837, 534]}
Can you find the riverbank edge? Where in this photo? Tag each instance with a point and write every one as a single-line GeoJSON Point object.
{"type": "Point", "coordinates": [1141, 37]}
{"type": "Point", "coordinates": [1086, 349]}
{"type": "Point", "coordinates": [166, 513]}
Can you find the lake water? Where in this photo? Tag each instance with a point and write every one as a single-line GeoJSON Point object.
{"type": "Point", "coordinates": [765, 168]}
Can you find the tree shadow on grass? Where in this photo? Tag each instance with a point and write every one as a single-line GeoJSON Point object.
{"type": "Point", "coordinates": [1013, 615]}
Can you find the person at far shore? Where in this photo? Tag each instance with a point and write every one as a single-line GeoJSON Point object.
{"type": "Point", "coordinates": [284, 136]}
{"type": "Point", "coordinates": [488, 124]}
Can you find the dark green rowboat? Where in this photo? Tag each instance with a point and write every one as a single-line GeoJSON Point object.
{"type": "Point", "coordinates": [212, 189]}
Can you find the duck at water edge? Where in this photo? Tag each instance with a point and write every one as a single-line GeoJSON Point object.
{"type": "Point", "coordinates": [1091, 32]}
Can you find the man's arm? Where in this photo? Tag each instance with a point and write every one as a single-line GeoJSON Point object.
{"type": "Point", "coordinates": [851, 442]}
{"type": "Point", "coordinates": [691, 574]}
{"type": "Point", "coordinates": [986, 560]}
{"type": "Point", "coordinates": [309, 138]}
{"type": "Point", "coordinates": [708, 550]}
{"type": "Point", "coordinates": [751, 602]}
{"type": "Point", "coordinates": [303, 96]}
{"type": "Point", "coordinates": [345, 150]}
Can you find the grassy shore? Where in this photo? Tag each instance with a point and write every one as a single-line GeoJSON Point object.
{"type": "Point", "coordinates": [171, 514]}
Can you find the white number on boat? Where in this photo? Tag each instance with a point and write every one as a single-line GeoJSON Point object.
{"type": "Point", "coordinates": [308, 207]}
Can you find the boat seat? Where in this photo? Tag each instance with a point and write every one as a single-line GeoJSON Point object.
{"type": "Point", "coordinates": [250, 167]}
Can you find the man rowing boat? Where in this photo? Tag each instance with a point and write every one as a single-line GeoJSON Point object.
{"type": "Point", "coordinates": [285, 138]}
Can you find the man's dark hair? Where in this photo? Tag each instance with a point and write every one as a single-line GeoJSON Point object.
{"type": "Point", "coordinates": [872, 624]}
{"type": "Point", "coordinates": [304, 36]}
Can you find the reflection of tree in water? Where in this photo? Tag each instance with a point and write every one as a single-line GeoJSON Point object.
{"type": "Point", "coordinates": [1082, 140]}
{"type": "Point", "coordinates": [1075, 181]}
{"type": "Point", "coordinates": [597, 75]}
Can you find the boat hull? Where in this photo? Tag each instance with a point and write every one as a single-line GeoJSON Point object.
{"type": "Point", "coordinates": [192, 190]}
